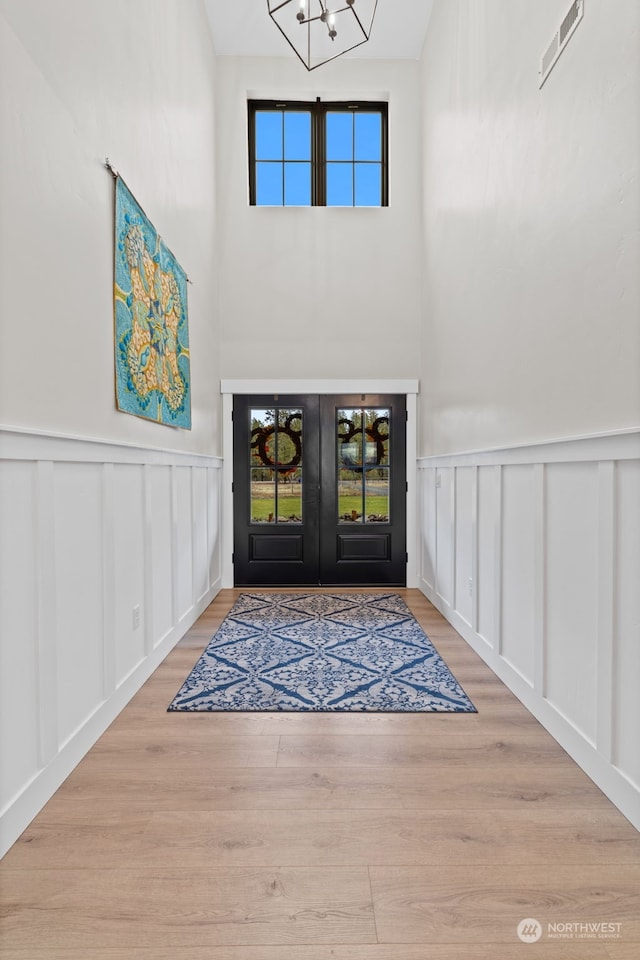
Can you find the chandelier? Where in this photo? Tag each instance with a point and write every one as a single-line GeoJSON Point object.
{"type": "Point", "coordinates": [318, 31]}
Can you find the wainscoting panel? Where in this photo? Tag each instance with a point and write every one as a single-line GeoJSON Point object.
{"type": "Point", "coordinates": [427, 519]}
{"type": "Point", "coordinates": [571, 584]}
{"type": "Point", "coordinates": [465, 522]}
{"type": "Point", "coordinates": [518, 498]}
{"type": "Point", "coordinates": [183, 556]}
{"type": "Point", "coordinates": [214, 495]}
{"type": "Point", "coordinates": [160, 562]}
{"type": "Point", "coordinates": [199, 526]}
{"type": "Point", "coordinates": [626, 621]}
{"type": "Point", "coordinates": [488, 500]}
{"type": "Point", "coordinates": [78, 574]}
{"type": "Point", "coordinates": [108, 554]}
{"type": "Point", "coordinates": [445, 536]}
{"type": "Point", "coordinates": [128, 535]}
{"type": "Point", "coordinates": [551, 533]}
{"type": "Point", "coordinates": [19, 668]}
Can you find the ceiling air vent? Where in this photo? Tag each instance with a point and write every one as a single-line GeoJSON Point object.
{"type": "Point", "coordinates": [562, 36]}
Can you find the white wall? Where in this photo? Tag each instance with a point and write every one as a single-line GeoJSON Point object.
{"type": "Point", "coordinates": [319, 292]}
{"type": "Point", "coordinates": [89, 530]}
{"type": "Point", "coordinates": [81, 81]}
{"type": "Point", "coordinates": [531, 334]}
{"type": "Point", "coordinates": [531, 206]}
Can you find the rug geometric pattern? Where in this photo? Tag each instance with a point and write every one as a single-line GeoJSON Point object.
{"type": "Point", "coordinates": [322, 652]}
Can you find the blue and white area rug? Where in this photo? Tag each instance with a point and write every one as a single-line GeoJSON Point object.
{"type": "Point", "coordinates": [322, 652]}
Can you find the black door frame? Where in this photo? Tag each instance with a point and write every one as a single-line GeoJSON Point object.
{"type": "Point", "coordinates": [296, 545]}
{"type": "Point", "coordinates": [222, 565]}
{"type": "Point", "coordinates": [359, 544]}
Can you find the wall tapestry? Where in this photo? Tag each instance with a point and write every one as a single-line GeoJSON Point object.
{"type": "Point", "coordinates": [153, 377]}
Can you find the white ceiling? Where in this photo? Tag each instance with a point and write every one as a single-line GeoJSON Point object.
{"type": "Point", "coordinates": [243, 28]}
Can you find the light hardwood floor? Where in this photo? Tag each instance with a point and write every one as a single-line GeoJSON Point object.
{"type": "Point", "coordinates": [322, 837]}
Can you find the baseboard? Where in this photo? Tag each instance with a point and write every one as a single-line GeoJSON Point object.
{"type": "Point", "coordinates": [21, 811]}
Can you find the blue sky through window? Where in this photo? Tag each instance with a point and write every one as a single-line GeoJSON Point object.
{"type": "Point", "coordinates": [283, 158]}
{"type": "Point", "coordinates": [284, 164]}
{"type": "Point", "coordinates": [353, 137]}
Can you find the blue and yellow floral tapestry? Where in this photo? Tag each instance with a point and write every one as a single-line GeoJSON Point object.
{"type": "Point", "coordinates": [151, 324]}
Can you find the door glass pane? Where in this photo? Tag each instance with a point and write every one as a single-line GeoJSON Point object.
{"type": "Point", "coordinates": [262, 476]}
{"type": "Point", "coordinates": [276, 466]}
{"type": "Point", "coordinates": [363, 467]}
{"type": "Point", "coordinates": [350, 496]}
{"type": "Point", "coordinates": [376, 495]}
{"type": "Point", "coordinates": [349, 462]}
{"type": "Point", "coordinates": [378, 436]}
{"type": "Point", "coordinates": [290, 469]}
{"type": "Point", "coordinates": [263, 495]}
{"type": "Point", "coordinates": [290, 499]}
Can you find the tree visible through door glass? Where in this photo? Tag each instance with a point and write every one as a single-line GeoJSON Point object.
{"type": "Point", "coordinates": [363, 465]}
{"type": "Point", "coordinates": [276, 467]}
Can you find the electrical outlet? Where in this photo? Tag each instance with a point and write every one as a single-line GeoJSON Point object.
{"type": "Point", "coordinates": [438, 481]}
{"type": "Point", "coordinates": [470, 585]}
{"type": "Point", "coordinates": [136, 616]}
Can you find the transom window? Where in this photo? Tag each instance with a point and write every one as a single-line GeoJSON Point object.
{"type": "Point", "coordinates": [318, 154]}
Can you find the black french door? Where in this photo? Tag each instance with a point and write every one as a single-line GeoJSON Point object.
{"type": "Point", "coordinates": [319, 490]}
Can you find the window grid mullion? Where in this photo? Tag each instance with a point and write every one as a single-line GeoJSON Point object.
{"type": "Point", "coordinates": [319, 166]}
{"type": "Point", "coordinates": [319, 154]}
{"type": "Point", "coordinates": [384, 161]}
{"type": "Point", "coordinates": [284, 205]}
{"type": "Point", "coordinates": [353, 158]}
